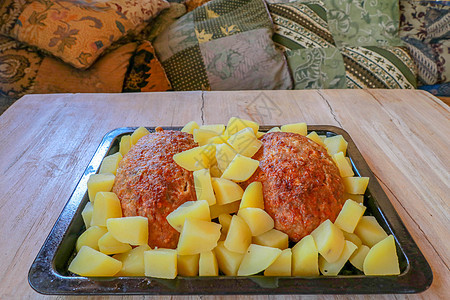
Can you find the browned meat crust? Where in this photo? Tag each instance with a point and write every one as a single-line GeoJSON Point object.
{"type": "Point", "coordinates": [150, 184]}
{"type": "Point", "coordinates": [301, 184]}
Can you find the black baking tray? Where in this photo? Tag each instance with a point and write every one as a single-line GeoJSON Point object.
{"type": "Point", "coordinates": [49, 275]}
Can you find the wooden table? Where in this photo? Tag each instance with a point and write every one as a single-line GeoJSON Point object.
{"type": "Point", "coordinates": [47, 141]}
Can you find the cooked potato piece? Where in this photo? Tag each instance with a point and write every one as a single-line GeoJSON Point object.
{"type": "Point", "coordinates": [332, 269]}
{"type": "Point", "coordinates": [305, 258]}
{"type": "Point", "coordinates": [239, 236]}
{"type": "Point", "coordinates": [110, 163]}
{"type": "Point", "coordinates": [137, 134]}
{"type": "Point", "coordinates": [274, 129]}
{"type": "Point", "coordinates": [207, 265]}
{"type": "Point", "coordinates": [86, 214]}
{"type": "Point", "coordinates": [229, 208]}
{"type": "Point", "coordinates": [227, 260]}
{"type": "Point", "coordinates": [349, 216]}
{"type": "Point", "coordinates": [272, 238]}
{"type": "Point", "coordinates": [132, 261]}
{"type": "Point", "coordinates": [237, 124]}
{"type": "Point", "coordinates": [107, 244]}
{"type": "Point", "coordinates": [382, 259]}
{"type": "Point", "coordinates": [89, 262]}
{"type": "Point", "coordinates": [99, 183]}
{"type": "Point", "coordinates": [352, 238]}
{"type": "Point", "coordinates": [253, 196]}
{"type": "Point", "coordinates": [345, 169]}
{"type": "Point", "coordinates": [161, 263]}
{"type": "Point", "coordinates": [198, 236]}
{"type": "Point", "coordinates": [299, 128]}
{"type": "Point", "coordinates": [189, 127]}
{"type": "Point", "coordinates": [259, 134]}
{"type": "Point", "coordinates": [357, 258]}
{"type": "Point", "coordinates": [191, 209]}
{"type": "Point", "coordinates": [335, 144]}
{"type": "Point", "coordinates": [245, 142]}
{"type": "Point", "coordinates": [219, 139]}
{"type": "Point", "coordinates": [217, 128]}
{"type": "Point", "coordinates": [188, 265]}
{"type": "Point", "coordinates": [224, 155]}
{"type": "Point", "coordinates": [131, 230]}
{"type": "Point", "coordinates": [225, 221]}
{"type": "Point", "coordinates": [369, 231]}
{"type": "Point", "coordinates": [329, 240]}
{"type": "Point", "coordinates": [202, 136]}
{"type": "Point", "coordinates": [240, 168]}
{"type": "Point", "coordinates": [355, 185]}
{"type": "Point", "coordinates": [313, 136]}
{"type": "Point", "coordinates": [193, 159]}
{"type": "Point", "coordinates": [257, 258]}
{"type": "Point", "coordinates": [356, 198]}
{"type": "Point", "coordinates": [282, 265]}
{"type": "Point", "coordinates": [226, 190]}
{"type": "Point", "coordinates": [90, 237]}
{"type": "Point", "coordinates": [106, 205]}
{"type": "Point", "coordinates": [125, 144]}
{"type": "Point", "coordinates": [214, 171]}
{"type": "Point", "coordinates": [257, 219]}
{"type": "Point", "coordinates": [203, 186]}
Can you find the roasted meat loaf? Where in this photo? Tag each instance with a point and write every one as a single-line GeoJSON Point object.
{"type": "Point", "coordinates": [301, 184]}
{"type": "Point", "coordinates": [150, 184]}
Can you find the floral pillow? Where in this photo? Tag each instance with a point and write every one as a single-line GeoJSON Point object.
{"type": "Point", "coordinates": [78, 31]}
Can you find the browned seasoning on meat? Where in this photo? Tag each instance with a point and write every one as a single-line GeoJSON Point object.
{"type": "Point", "coordinates": [301, 184]}
{"type": "Point", "coordinates": [150, 184]}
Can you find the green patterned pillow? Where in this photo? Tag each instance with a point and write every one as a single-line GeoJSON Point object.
{"type": "Point", "coordinates": [223, 45]}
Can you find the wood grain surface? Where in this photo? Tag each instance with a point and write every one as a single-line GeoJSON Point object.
{"type": "Point", "coordinates": [47, 141]}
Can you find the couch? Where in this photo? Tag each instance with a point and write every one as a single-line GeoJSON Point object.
{"type": "Point", "coordinates": [113, 46]}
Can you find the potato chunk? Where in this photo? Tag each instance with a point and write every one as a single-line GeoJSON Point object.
{"type": "Point", "coordinates": [282, 265]}
{"type": "Point", "coordinates": [225, 221]}
{"type": "Point", "coordinates": [217, 128]}
{"type": "Point", "coordinates": [299, 128]}
{"type": "Point", "coordinates": [203, 186]}
{"type": "Point", "coordinates": [229, 208]}
{"type": "Point", "coordinates": [253, 196]}
{"type": "Point", "coordinates": [132, 261]}
{"type": "Point", "coordinates": [355, 185]}
{"type": "Point", "coordinates": [137, 134]}
{"type": "Point", "coordinates": [161, 263]}
{"type": "Point", "coordinates": [352, 238]}
{"type": "Point", "coordinates": [240, 168]}
{"type": "Point", "coordinates": [226, 190]}
{"type": "Point", "coordinates": [227, 260]}
{"type": "Point", "coordinates": [305, 258]}
{"type": "Point", "coordinates": [198, 236]}
{"type": "Point", "coordinates": [224, 155]}
{"type": "Point", "coordinates": [245, 142]}
{"type": "Point", "coordinates": [257, 219]}
{"type": "Point", "coordinates": [89, 262]}
{"type": "Point", "coordinates": [86, 214]}
{"type": "Point", "coordinates": [237, 124]}
{"type": "Point", "coordinates": [313, 136]}
{"type": "Point", "coordinates": [329, 240]}
{"type": "Point", "coordinates": [90, 237]}
{"type": "Point", "coordinates": [332, 269]}
{"type": "Point", "coordinates": [188, 265]}
{"type": "Point", "coordinates": [369, 231]}
{"type": "Point", "coordinates": [193, 159]}
{"type": "Point", "coordinates": [272, 238]}
{"type": "Point", "coordinates": [354, 197]}
{"type": "Point", "coordinates": [257, 258]}
{"type": "Point", "coordinates": [335, 144]}
{"type": "Point", "coordinates": [207, 265]}
{"type": "Point", "coordinates": [382, 259]}
{"type": "Point", "coordinates": [110, 163]}
{"type": "Point", "coordinates": [125, 144]}
{"type": "Point", "coordinates": [109, 245]}
{"type": "Point", "coordinates": [106, 206]}
{"type": "Point", "coordinates": [274, 129]}
{"type": "Point", "coordinates": [191, 209]}
{"type": "Point", "coordinates": [345, 168]}
{"type": "Point", "coordinates": [131, 230]}
{"type": "Point", "coordinates": [189, 127]}
{"type": "Point", "coordinates": [357, 258]}
{"type": "Point", "coordinates": [349, 216]}
{"type": "Point", "coordinates": [99, 183]}
{"type": "Point", "coordinates": [202, 136]}
{"type": "Point", "coordinates": [239, 236]}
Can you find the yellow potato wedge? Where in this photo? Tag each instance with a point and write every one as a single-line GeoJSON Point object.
{"type": "Point", "coordinates": [86, 214]}
{"type": "Point", "coordinates": [245, 142]}
{"type": "Point", "coordinates": [282, 266]}
{"type": "Point", "coordinates": [239, 236]}
{"type": "Point", "coordinates": [257, 258]}
{"type": "Point", "coordinates": [216, 210]}
{"type": "Point", "coordinates": [253, 196]}
{"type": "Point", "coordinates": [369, 231]}
{"type": "Point", "coordinates": [89, 262]}
{"type": "Point", "coordinates": [107, 244]}
{"type": "Point", "coordinates": [125, 144]}
{"type": "Point", "coordinates": [137, 134]}
{"type": "Point", "coordinates": [110, 163]}
{"type": "Point", "coordinates": [188, 265]}
{"type": "Point", "coordinates": [237, 124]}
{"type": "Point", "coordinates": [332, 269]}
{"type": "Point", "coordinates": [240, 168]}
{"type": "Point", "coordinates": [189, 127]}
{"type": "Point", "coordinates": [217, 128]}
{"type": "Point", "coordinates": [272, 238]}
{"type": "Point", "coordinates": [382, 258]}
{"type": "Point", "coordinates": [132, 261]}
{"type": "Point", "coordinates": [345, 169]}
{"type": "Point", "coordinates": [90, 237]}
{"type": "Point", "coordinates": [202, 136]}
{"type": "Point", "coordinates": [191, 209]}
{"type": "Point", "coordinates": [226, 191]}
{"type": "Point", "coordinates": [224, 155]}
{"type": "Point", "coordinates": [313, 136]}
{"type": "Point", "coordinates": [99, 183]}
{"type": "Point", "coordinates": [257, 219]}
{"type": "Point", "coordinates": [131, 230]}
{"type": "Point", "coordinates": [305, 258]}
{"type": "Point", "coordinates": [349, 216]}
{"type": "Point", "coordinates": [357, 258]}
{"type": "Point", "coordinates": [207, 265]}
{"type": "Point", "coordinates": [106, 206]}
{"type": "Point", "coordinates": [161, 263]}
{"type": "Point", "coordinates": [198, 236]}
{"type": "Point", "coordinates": [335, 144]}
{"type": "Point", "coordinates": [355, 185]}
{"type": "Point", "coordinates": [329, 240]}
{"type": "Point", "coordinates": [299, 128]}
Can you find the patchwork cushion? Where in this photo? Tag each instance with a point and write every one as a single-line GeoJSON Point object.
{"type": "Point", "coordinates": [76, 31]}
{"type": "Point", "coordinates": [146, 73]}
{"type": "Point", "coordinates": [223, 45]}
